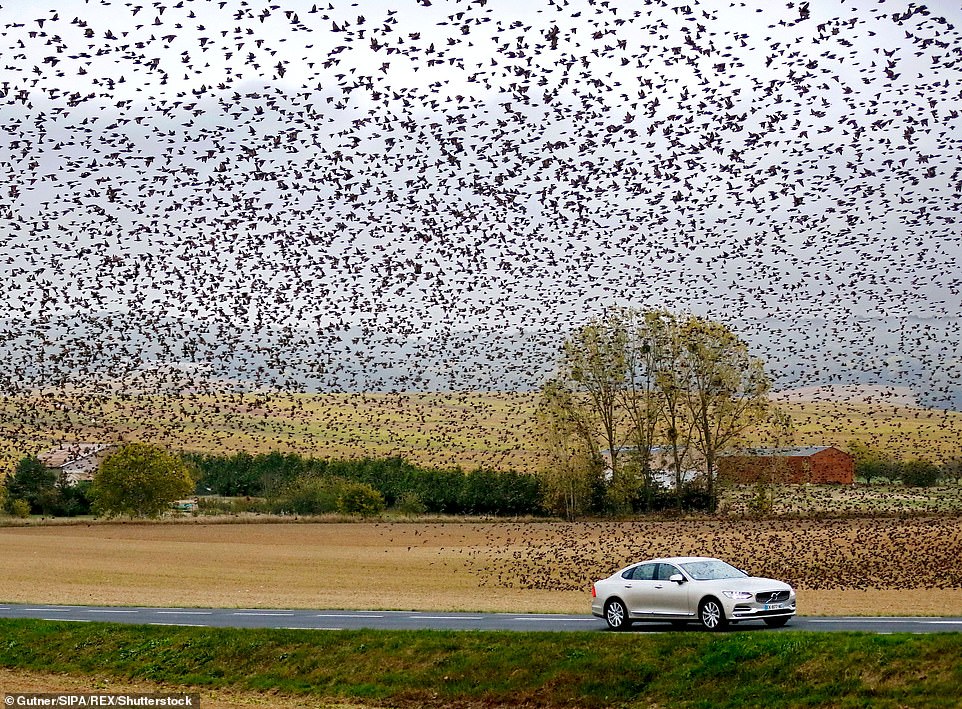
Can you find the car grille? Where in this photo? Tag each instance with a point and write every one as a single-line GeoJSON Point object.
{"type": "Point", "coordinates": [772, 596]}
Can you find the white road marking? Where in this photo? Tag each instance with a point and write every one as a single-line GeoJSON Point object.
{"type": "Point", "coordinates": [560, 620]}
{"type": "Point", "coordinates": [49, 610]}
{"type": "Point", "coordinates": [895, 621]}
{"type": "Point", "coordinates": [308, 627]}
{"type": "Point", "coordinates": [68, 620]}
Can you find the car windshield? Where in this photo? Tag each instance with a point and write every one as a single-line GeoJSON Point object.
{"type": "Point", "coordinates": [711, 570]}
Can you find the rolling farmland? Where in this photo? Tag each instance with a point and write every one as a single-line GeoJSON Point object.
{"type": "Point", "coordinates": [440, 429]}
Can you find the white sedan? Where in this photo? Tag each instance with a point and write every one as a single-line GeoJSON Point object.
{"type": "Point", "coordinates": [682, 589]}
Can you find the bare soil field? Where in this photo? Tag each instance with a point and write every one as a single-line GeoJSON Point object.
{"type": "Point", "coordinates": [884, 566]}
{"type": "Point", "coordinates": [843, 500]}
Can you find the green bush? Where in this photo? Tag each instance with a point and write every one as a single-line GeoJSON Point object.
{"type": "Point", "coordinates": [439, 491]}
{"type": "Point", "coordinates": [410, 504]}
{"type": "Point", "coordinates": [74, 500]}
{"type": "Point", "coordinates": [19, 508]}
{"type": "Point", "coordinates": [919, 473]}
{"type": "Point", "coordinates": [359, 499]}
{"type": "Point", "coordinates": [308, 496]}
{"type": "Point", "coordinates": [878, 468]}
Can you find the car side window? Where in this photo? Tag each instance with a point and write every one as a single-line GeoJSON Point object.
{"type": "Point", "coordinates": [665, 572]}
{"type": "Point", "coordinates": [644, 572]}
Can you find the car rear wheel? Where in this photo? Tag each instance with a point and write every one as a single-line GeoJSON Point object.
{"type": "Point", "coordinates": [712, 615]}
{"type": "Point", "coordinates": [776, 622]}
{"type": "Point", "coordinates": [616, 615]}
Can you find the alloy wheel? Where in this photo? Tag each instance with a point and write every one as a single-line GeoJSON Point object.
{"type": "Point", "coordinates": [616, 615]}
{"type": "Point", "coordinates": [712, 616]}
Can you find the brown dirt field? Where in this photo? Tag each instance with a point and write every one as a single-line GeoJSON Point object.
{"type": "Point", "coordinates": [856, 566]}
{"type": "Point", "coordinates": [22, 681]}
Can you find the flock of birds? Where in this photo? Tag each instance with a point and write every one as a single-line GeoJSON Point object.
{"type": "Point", "coordinates": [857, 554]}
{"type": "Point", "coordinates": [287, 196]}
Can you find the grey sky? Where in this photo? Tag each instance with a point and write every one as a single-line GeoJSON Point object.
{"type": "Point", "coordinates": [420, 170]}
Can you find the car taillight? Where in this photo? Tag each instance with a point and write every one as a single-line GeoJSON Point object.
{"type": "Point", "coordinates": [594, 593]}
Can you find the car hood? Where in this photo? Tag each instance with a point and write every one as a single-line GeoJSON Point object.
{"type": "Point", "coordinates": [752, 583]}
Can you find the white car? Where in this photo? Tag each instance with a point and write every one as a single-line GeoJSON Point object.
{"type": "Point", "coordinates": [682, 589]}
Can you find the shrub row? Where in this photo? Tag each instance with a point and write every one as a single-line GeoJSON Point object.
{"type": "Point", "coordinates": [401, 484]}
{"type": "Point", "coordinates": [913, 473]}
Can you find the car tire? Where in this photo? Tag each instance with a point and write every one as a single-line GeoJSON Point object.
{"type": "Point", "coordinates": [711, 615]}
{"type": "Point", "coordinates": [776, 622]}
{"type": "Point", "coordinates": [616, 615]}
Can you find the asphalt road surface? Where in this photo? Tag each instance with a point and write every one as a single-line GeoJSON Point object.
{"type": "Point", "coordinates": [411, 620]}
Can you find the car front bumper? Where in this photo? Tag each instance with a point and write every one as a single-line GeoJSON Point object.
{"type": "Point", "coordinates": [749, 611]}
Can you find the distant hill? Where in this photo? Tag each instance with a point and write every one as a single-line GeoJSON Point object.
{"type": "Point", "coordinates": [850, 393]}
{"type": "Point", "coordinates": [905, 359]}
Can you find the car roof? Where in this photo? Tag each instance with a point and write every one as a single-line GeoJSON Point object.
{"type": "Point", "coordinates": [675, 560]}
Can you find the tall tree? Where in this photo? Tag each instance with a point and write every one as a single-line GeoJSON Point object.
{"type": "Point", "coordinates": [638, 378]}
{"type": "Point", "coordinates": [34, 483]}
{"type": "Point", "coordinates": [573, 465]}
{"type": "Point", "coordinates": [640, 397]}
{"type": "Point", "coordinates": [593, 370]}
{"type": "Point", "coordinates": [677, 423]}
{"type": "Point", "coordinates": [726, 388]}
{"type": "Point", "coordinates": [140, 480]}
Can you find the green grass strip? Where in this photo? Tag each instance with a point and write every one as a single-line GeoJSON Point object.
{"type": "Point", "coordinates": [678, 669]}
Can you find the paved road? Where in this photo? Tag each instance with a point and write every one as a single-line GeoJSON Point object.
{"type": "Point", "coordinates": [407, 620]}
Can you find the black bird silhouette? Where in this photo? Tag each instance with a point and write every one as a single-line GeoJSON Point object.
{"type": "Point", "coordinates": [223, 199]}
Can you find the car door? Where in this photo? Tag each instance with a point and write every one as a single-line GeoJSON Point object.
{"type": "Point", "coordinates": [669, 598]}
{"type": "Point", "coordinates": [638, 589]}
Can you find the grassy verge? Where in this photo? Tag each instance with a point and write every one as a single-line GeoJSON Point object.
{"type": "Point", "coordinates": [739, 669]}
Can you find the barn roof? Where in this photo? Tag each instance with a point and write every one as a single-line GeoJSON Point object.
{"type": "Point", "coordinates": [792, 452]}
{"type": "Point", "coordinates": [70, 452]}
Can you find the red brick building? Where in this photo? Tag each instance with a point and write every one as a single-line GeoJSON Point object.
{"type": "Point", "coordinates": [816, 464]}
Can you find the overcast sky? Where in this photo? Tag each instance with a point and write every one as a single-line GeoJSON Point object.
{"type": "Point", "coordinates": [425, 167]}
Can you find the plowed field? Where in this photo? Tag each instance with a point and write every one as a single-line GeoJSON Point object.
{"type": "Point", "coordinates": [843, 566]}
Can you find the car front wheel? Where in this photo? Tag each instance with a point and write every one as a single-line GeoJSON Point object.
{"type": "Point", "coordinates": [616, 615]}
{"type": "Point", "coordinates": [712, 615]}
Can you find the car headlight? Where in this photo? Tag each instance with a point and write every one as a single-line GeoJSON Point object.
{"type": "Point", "coordinates": [739, 595]}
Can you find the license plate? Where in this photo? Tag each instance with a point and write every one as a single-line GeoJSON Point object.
{"type": "Point", "coordinates": [774, 606]}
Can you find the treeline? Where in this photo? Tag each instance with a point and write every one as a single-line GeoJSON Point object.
{"type": "Point", "coordinates": [911, 473]}
{"type": "Point", "coordinates": [638, 391]}
{"type": "Point", "coordinates": [34, 489]}
{"type": "Point", "coordinates": [873, 465]}
{"type": "Point", "coordinates": [288, 482]}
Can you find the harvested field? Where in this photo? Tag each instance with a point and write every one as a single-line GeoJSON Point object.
{"type": "Point", "coordinates": [841, 566]}
{"type": "Point", "coordinates": [845, 500]}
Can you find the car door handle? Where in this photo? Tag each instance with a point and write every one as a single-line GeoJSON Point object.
{"type": "Point", "coordinates": [627, 585]}
{"type": "Point", "coordinates": [658, 585]}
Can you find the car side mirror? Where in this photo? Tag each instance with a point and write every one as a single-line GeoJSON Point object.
{"type": "Point", "coordinates": [677, 578]}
